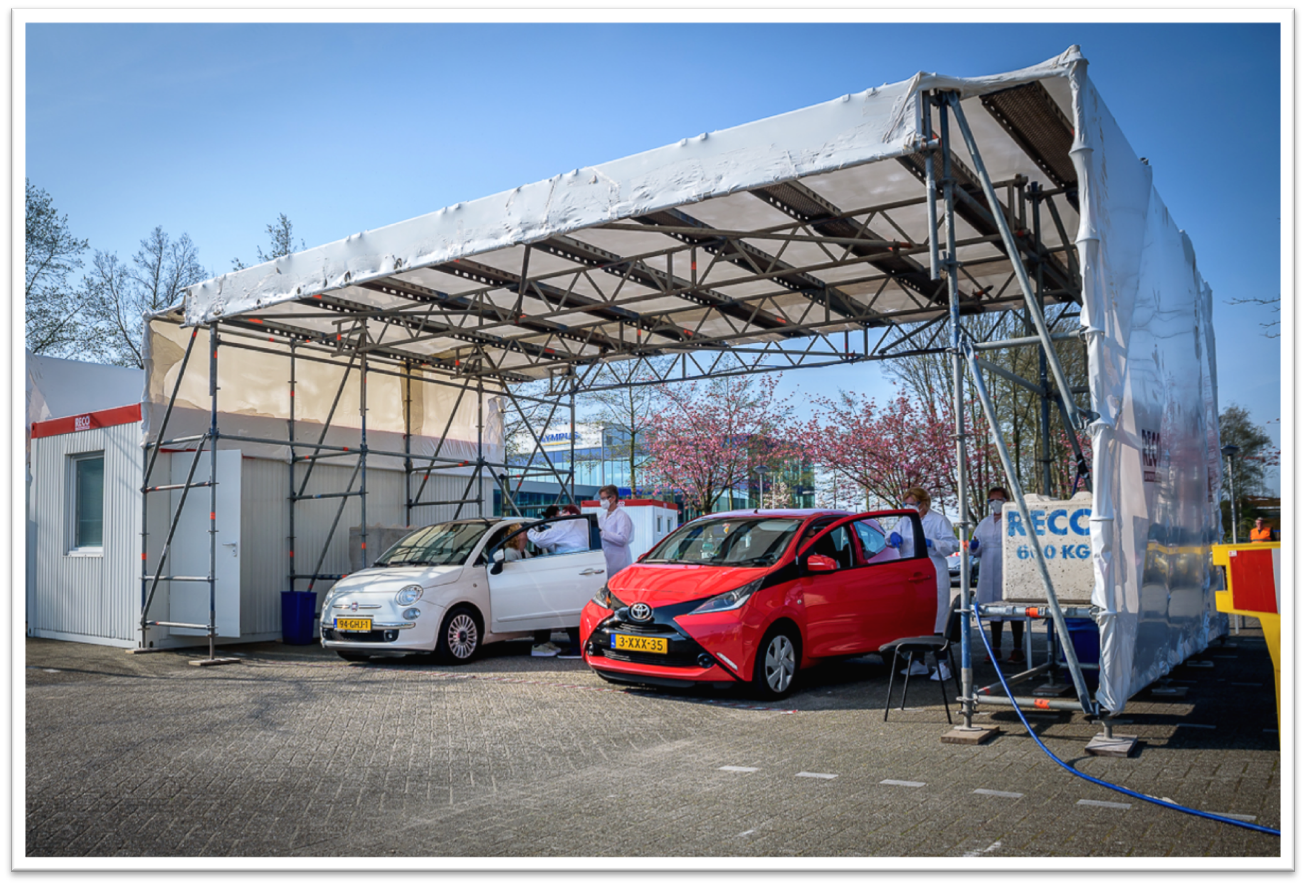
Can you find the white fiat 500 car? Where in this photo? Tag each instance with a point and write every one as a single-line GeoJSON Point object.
{"type": "Point", "coordinates": [448, 589]}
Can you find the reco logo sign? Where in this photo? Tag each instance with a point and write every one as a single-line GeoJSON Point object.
{"type": "Point", "coordinates": [1060, 521]}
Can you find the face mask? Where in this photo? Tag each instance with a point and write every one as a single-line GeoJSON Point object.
{"type": "Point", "coordinates": [995, 506]}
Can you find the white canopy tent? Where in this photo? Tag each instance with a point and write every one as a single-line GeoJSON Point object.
{"type": "Point", "coordinates": [808, 239]}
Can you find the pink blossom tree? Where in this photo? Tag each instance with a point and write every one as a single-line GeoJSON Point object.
{"type": "Point", "coordinates": [882, 452]}
{"type": "Point", "coordinates": [712, 436]}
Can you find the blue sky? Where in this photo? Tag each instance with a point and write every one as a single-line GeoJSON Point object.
{"type": "Point", "coordinates": [214, 129]}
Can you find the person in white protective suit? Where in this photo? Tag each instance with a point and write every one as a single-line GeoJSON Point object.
{"type": "Point", "coordinates": [569, 537]}
{"type": "Point", "coordinates": [939, 543]}
{"type": "Point", "coordinates": [616, 529]}
{"type": "Point", "coordinates": [987, 545]}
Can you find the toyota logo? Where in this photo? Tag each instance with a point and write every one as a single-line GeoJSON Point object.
{"type": "Point", "coordinates": [641, 612]}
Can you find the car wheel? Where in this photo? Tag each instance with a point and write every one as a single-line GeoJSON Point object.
{"type": "Point", "coordinates": [460, 636]}
{"type": "Point", "coordinates": [776, 665]}
{"type": "Point", "coordinates": [352, 656]}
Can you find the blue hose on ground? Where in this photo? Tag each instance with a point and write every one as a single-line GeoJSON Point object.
{"type": "Point", "coordinates": [1106, 784]}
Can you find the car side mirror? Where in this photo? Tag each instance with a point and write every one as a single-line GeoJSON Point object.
{"type": "Point", "coordinates": [497, 566]}
{"type": "Point", "coordinates": [821, 563]}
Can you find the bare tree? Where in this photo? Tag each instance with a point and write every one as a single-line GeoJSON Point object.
{"type": "Point", "coordinates": [929, 378]}
{"type": "Point", "coordinates": [627, 411]}
{"type": "Point", "coordinates": [51, 253]}
{"type": "Point", "coordinates": [1271, 328]}
{"type": "Point", "coordinates": [281, 241]}
{"type": "Point", "coordinates": [119, 295]}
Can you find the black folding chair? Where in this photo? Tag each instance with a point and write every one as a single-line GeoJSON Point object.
{"type": "Point", "coordinates": [938, 646]}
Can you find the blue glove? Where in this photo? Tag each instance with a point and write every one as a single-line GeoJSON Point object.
{"type": "Point", "coordinates": [895, 540]}
{"type": "Point", "coordinates": [974, 544]}
{"type": "Point", "coordinates": [929, 542]}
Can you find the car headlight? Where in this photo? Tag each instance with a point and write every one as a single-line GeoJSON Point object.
{"type": "Point", "coordinates": [409, 595]}
{"type": "Point", "coordinates": [607, 599]}
{"type": "Point", "coordinates": [729, 600]}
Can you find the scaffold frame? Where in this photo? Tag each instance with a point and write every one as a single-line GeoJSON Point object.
{"type": "Point", "coordinates": [791, 280]}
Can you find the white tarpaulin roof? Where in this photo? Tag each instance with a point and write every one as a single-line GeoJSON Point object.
{"type": "Point", "coordinates": [763, 232]}
{"type": "Point", "coordinates": [809, 223]}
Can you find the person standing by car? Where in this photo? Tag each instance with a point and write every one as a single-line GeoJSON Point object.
{"type": "Point", "coordinates": [567, 537]}
{"type": "Point", "coordinates": [616, 529]}
{"type": "Point", "coordinates": [939, 543]}
{"type": "Point", "coordinates": [987, 545]}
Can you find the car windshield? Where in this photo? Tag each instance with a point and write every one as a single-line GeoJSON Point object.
{"type": "Point", "coordinates": [444, 544]}
{"type": "Point", "coordinates": [727, 541]}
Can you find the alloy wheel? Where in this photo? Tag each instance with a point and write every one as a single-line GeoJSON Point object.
{"type": "Point", "coordinates": [780, 663]}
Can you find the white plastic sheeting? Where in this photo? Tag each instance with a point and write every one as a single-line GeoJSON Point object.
{"type": "Point", "coordinates": [1145, 306]}
{"type": "Point", "coordinates": [1156, 462]}
{"type": "Point", "coordinates": [254, 401]}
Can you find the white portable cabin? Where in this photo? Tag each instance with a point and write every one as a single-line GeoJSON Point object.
{"type": "Point", "coordinates": [85, 580]}
{"type": "Point", "coordinates": [652, 520]}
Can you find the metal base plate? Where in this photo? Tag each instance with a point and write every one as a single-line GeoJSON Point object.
{"type": "Point", "coordinates": [1115, 746]}
{"type": "Point", "coordinates": [210, 662]}
{"type": "Point", "coordinates": [973, 735]}
{"type": "Point", "coordinates": [1053, 690]}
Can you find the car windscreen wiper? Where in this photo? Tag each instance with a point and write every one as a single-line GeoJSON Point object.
{"type": "Point", "coordinates": [764, 560]}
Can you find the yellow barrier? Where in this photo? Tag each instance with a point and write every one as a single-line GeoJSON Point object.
{"type": "Point", "coordinates": [1251, 580]}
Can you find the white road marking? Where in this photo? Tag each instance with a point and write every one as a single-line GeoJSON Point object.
{"type": "Point", "coordinates": [1104, 804]}
{"type": "Point", "coordinates": [977, 852]}
{"type": "Point", "coordinates": [1195, 725]}
{"type": "Point", "coordinates": [50, 670]}
{"type": "Point", "coordinates": [746, 833]}
{"type": "Point", "coordinates": [738, 769]}
{"type": "Point", "coordinates": [904, 784]}
{"type": "Point", "coordinates": [815, 775]}
{"type": "Point", "coordinates": [1007, 794]}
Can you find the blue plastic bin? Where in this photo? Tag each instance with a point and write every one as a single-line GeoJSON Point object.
{"type": "Point", "coordinates": [297, 608]}
{"type": "Point", "coordinates": [1088, 647]}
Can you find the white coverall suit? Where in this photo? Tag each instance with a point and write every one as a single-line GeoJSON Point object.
{"type": "Point", "coordinates": [616, 530]}
{"type": "Point", "coordinates": [937, 529]}
{"type": "Point", "coordinates": [989, 536]}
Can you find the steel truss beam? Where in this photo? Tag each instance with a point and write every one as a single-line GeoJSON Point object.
{"type": "Point", "coordinates": [596, 314]}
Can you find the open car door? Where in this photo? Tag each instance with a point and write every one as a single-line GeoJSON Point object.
{"type": "Point", "coordinates": [858, 593]}
{"type": "Point", "coordinates": [545, 590]}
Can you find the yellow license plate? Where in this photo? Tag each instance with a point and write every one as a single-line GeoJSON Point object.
{"type": "Point", "coordinates": [353, 624]}
{"type": "Point", "coordinates": [639, 644]}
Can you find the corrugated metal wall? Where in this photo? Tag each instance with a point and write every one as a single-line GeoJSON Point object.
{"type": "Point", "coordinates": [97, 598]}
{"type": "Point", "coordinates": [90, 596]}
{"type": "Point", "coordinates": [265, 530]}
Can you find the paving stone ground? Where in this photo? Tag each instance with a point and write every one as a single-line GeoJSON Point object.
{"type": "Point", "coordinates": [295, 753]}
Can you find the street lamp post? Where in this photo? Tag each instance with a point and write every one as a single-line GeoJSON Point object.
{"type": "Point", "coordinates": [1229, 452]}
{"type": "Point", "coordinates": [760, 469]}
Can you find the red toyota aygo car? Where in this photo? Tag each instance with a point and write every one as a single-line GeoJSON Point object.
{"type": "Point", "coordinates": [749, 597]}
